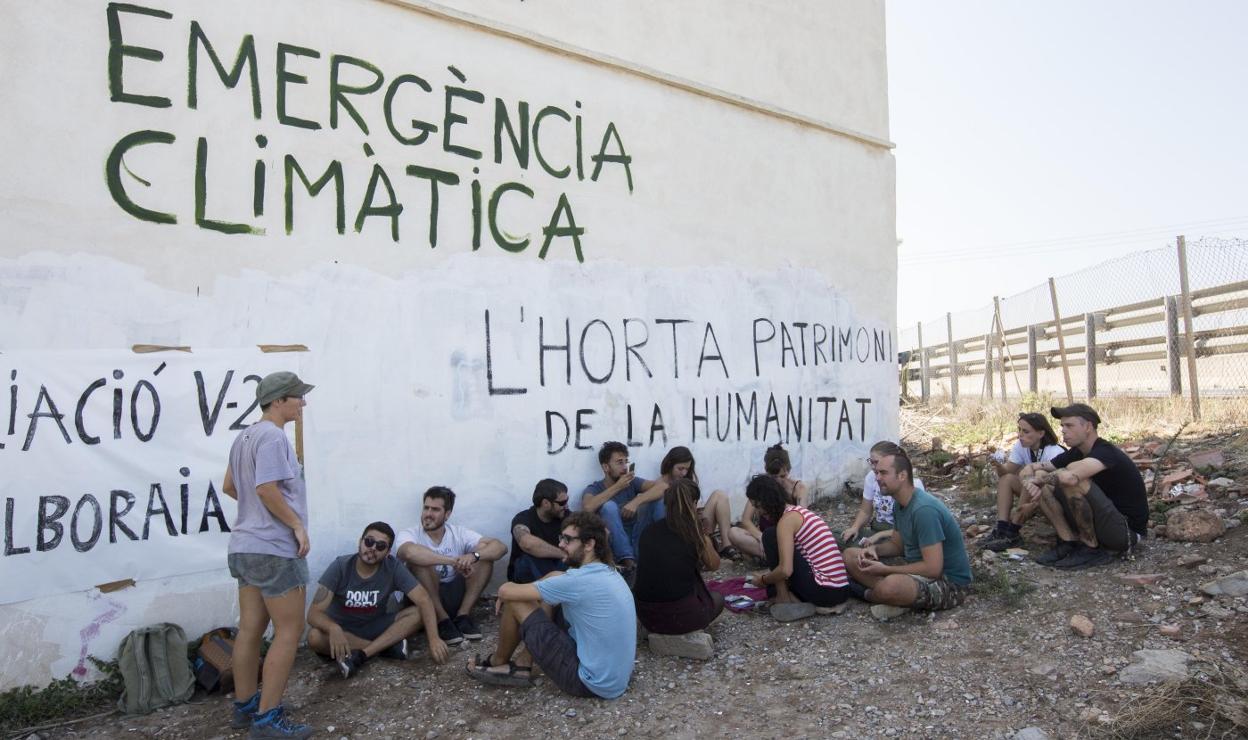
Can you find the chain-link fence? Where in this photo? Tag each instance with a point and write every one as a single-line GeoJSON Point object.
{"type": "Point", "coordinates": [1124, 331]}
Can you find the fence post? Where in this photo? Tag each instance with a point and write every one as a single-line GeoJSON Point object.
{"type": "Point", "coordinates": [953, 361]}
{"type": "Point", "coordinates": [1187, 326]}
{"type": "Point", "coordinates": [988, 364]}
{"type": "Point", "coordinates": [1173, 350]}
{"type": "Point", "coordinates": [1033, 372]}
{"type": "Point", "coordinates": [1061, 340]}
{"type": "Point", "coordinates": [1091, 353]}
{"type": "Point", "coordinates": [924, 387]}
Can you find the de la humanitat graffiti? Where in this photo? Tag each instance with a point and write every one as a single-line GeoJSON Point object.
{"type": "Point", "coordinates": [420, 109]}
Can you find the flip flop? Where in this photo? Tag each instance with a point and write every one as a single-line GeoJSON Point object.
{"type": "Point", "coordinates": [480, 671]}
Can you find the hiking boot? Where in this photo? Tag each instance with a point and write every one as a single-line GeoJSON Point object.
{"type": "Point", "coordinates": [1084, 557]}
{"type": "Point", "coordinates": [886, 612]}
{"type": "Point", "coordinates": [275, 724]}
{"type": "Point", "coordinates": [244, 712]}
{"type": "Point", "coordinates": [999, 540]}
{"type": "Point", "coordinates": [397, 651]}
{"type": "Point", "coordinates": [449, 632]}
{"type": "Point", "coordinates": [1063, 549]}
{"type": "Point", "coordinates": [467, 627]}
{"type": "Point", "coordinates": [351, 662]}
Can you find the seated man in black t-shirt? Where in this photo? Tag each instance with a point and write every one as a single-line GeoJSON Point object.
{"type": "Point", "coordinates": [1093, 494]}
{"type": "Point", "coordinates": [535, 534]}
{"type": "Point", "coordinates": [349, 618]}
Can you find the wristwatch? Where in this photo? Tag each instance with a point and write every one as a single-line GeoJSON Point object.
{"type": "Point", "coordinates": [476, 556]}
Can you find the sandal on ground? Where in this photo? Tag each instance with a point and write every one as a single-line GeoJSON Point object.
{"type": "Point", "coordinates": [731, 553]}
{"type": "Point", "coordinates": [515, 676]}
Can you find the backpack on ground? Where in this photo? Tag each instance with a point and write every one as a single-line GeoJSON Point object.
{"type": "Point", "coordinates": [214, 660]}
{"type": "Point", "coordinates": [155, 669]}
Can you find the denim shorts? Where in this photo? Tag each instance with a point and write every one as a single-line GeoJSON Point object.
{"type": "Point", "coordinates": [274, 575]}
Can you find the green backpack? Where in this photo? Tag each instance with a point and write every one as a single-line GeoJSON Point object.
{"type": "Point", "coordinates": [155, 669]}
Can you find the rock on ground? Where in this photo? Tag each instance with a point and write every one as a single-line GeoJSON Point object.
{"type": "Point", "coordinates": [696, 645]}
{"type": "Point", "coordinates": [1155, 665]}
{"type": "Point", "coordinates": [1194, 526]}
{"type": "Point", "coordinates": [1236, 584]}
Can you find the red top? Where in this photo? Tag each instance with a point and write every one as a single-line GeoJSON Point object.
{"type": "Point", "coordinates": [814, 539]}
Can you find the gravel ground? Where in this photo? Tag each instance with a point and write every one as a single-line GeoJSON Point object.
{"type": "Point", "coordinates": [998, 664]}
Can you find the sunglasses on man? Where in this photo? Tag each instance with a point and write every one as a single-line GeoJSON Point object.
{"type": "Point", "coordinates": [378, 545]}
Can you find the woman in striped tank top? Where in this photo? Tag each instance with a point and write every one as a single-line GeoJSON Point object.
{"type": "Point", "coordinates": [805, 560]}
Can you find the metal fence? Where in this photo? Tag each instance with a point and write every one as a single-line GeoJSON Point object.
{"type": "Point", "coordinates": [1122, 328]}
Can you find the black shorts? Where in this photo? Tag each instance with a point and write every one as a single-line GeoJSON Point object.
{"type": "Point", "coordinates": [371, 629]}
{"type": "Point", "coordinates": [555, 651]}
{"type": "Point", "coordinates": [1110, 525]}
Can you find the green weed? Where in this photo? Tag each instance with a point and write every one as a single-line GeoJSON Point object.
{"type": "Point", "coordinates": [62, 699]}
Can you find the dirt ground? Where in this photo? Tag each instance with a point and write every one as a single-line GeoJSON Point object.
{"type": "Point", "coordinates": [998, 664]}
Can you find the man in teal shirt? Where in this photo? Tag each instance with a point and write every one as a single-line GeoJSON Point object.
{"type": "Point", "coordinates": [936, 573]}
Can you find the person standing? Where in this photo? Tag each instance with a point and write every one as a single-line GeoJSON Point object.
{"type": "Point", "coordinates": [267, 555]}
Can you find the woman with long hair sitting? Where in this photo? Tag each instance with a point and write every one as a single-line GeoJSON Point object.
{"type": "Point", "coordinates": [747, 535]}
{"type": "Point", "coordinates": [807, 571]}
{"type": "Point", "coordinates": [716, 513]}
{"type": "Point", "coordinates": [671, 597]}
{"type": "Point", "coordinates": [1037, 443]}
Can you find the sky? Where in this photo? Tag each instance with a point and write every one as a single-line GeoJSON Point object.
{"type": "Point", "coordinates": [1038, 138]}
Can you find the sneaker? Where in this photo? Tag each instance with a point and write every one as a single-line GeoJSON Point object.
{"type": "Point", "coordinates": [1063, 549]}
{"type": "Point", "coordinates": [275, 724]}
{"type": "Point", "coordinates": [244, 712]}
{"type": "Point", "coordinates": [1000, 541]}
{"type": "Point", "coordinates": [467, 627]}
{"type": "Point", "coordinates": [1084, 557]}
{"type": "Point", "coordinates": [857, 590]}
{"type": "Point", "coordinates": [449, 632]}
{"type": "Point", "coordinates": [397, 651]}
{"type": "Point", "coordinates": [886, 612]}
{"type": "Point", "coordinates": [350, 664]}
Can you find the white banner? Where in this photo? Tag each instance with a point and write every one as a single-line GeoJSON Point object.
{"type": "Point", "coordinates": [112, 463]}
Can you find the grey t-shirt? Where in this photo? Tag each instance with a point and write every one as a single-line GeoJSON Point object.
{"type": "Point", "coordinates": [263, 454]}
{"type": "Point", "coordinates": [358, 601]}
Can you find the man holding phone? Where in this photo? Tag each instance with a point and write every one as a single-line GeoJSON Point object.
{"type": "Point", "coordinates": [626, 503]}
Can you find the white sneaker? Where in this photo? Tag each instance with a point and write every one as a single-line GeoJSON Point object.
{"type": "Point", "coordinates": [886, 612]}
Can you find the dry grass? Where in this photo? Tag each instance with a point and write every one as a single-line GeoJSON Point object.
{"type": "Point", "coordinates": [975, 423]}
{"type": "Point", "coordinates": [1216, 697]}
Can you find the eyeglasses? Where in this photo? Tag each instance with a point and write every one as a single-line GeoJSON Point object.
{"type": "Point", "coordinates": [378, 545]}
{"type": "Point", "coordinates": [560, 501]}
{"type": "Point", "coordinates": [565, 540]}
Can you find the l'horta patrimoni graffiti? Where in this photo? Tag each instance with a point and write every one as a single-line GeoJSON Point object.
{"type": "Point", "coordinates": [421, 110]}
{"type": "Point", "coordinates": [724, 407]}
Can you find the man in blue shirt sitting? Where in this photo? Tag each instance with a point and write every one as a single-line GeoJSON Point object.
{"type": "Point", "coordinates": [593, 655]}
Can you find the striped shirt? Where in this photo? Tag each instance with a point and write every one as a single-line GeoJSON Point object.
{"type": "Point", "coordinates": [814, 540]}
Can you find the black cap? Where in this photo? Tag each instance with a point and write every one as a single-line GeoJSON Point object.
{"type": "Point", "coordinates": [1081, 410]}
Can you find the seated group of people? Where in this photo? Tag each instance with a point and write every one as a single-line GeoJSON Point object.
{"type": "Point", "coordinates": [639, 547]}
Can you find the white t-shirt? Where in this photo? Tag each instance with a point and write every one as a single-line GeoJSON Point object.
{"type": "Point", "coordinates": [1020, 455]}
{"type": "Point", "coordinates": [883, 504]}
{"type": "Point", "coordinates": [456, 541]}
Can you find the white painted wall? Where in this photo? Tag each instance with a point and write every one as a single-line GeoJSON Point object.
{"type": "Point", "coordinates": [735, 215]}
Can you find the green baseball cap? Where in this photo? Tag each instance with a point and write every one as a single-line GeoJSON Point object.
{"type": "Point", "coordinates": [279, 385]}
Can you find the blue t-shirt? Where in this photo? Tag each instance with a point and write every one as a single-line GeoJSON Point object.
{"type": "Point", "coordinates": [600, 611]}
{"type": "Point", "coordinates": [623, 497]}
{"type": "Point", "coordinates": [926, 521]}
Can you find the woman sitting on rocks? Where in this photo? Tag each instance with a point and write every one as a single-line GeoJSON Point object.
{"type": "Point", "coordinates": [1036, 443]}
{"type": "Point", "coordinates": [807, 571]}
{"type": "Point", "coordinates": [671, 597]}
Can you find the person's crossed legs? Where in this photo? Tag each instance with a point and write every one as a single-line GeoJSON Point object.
{"type": "Point", "coordinates": [388, 631]}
